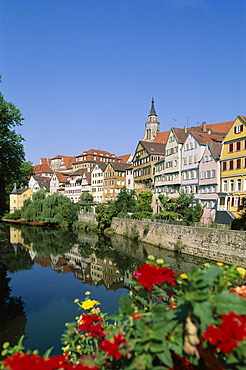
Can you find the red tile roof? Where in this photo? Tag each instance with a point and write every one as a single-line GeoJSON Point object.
{"type": "Point", "coordinates": [124, 158]}
{"type": "Point", "coordinates": [161, 137]}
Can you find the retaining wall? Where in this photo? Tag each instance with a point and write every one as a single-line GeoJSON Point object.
{"type": "Point", "coordinates": [227, 246]}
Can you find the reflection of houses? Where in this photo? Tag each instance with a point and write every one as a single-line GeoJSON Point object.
{"type": "Point", "coordinates": [93, 270]}
{"type": "Point", "coordinates": [17, 197]}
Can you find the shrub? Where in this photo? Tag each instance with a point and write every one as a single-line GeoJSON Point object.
{"type": "Point", "coordinates": [196, 320]}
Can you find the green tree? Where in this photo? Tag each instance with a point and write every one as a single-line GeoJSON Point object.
{"type": "Point", "coordinates": [104, 214]}
{"type": "Point", "coordinates": [143, 207]}
{"type": "Point", "coordinates": [85, 201]}
{"type": "Point", "coordinates": [11, 150]}
{"type": "Point", "coordinates": [54, 208]}
{"type": "Point", "coordinates": [125, 202]}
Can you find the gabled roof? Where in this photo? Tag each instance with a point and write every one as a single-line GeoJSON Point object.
{"type": "Point", "coordinates": [152, 147]}
{"type": "Point", "coordinates": [61, 177]}
{"type": "Point", "coordinates": [43, 182]}
{"type": "Point", "coordinates": [102, 166]}
{"type": "Point", "coordinates": [41, 168]}
{"type": "Point", "coordinates": [125, 158]}
{"type": "Point", "coordinates": [117, 166]}
{"type": "Point", "coordinates": [203, 138]}
{"type": "Point", "coordinates": [243, 118]}
{"type": "Point", "coordinates": [103, 153]}
{"type": "Point", "coordinates": [161, 137]}
{"type": "Point", "coordinates": [215, 149]}
{"type": "Point", "coordinates": [87, 175]}
{"type": "Point", "coordinates": [180, 134]}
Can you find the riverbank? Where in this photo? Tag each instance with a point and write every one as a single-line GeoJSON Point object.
{"type": "Point", "coordinates": [228, 246]}
{"type": "Point", "coordinates": [31, 223]}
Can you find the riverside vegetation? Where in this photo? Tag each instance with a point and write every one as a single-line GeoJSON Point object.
{"type": "Point", "coordinates": [194, 321]}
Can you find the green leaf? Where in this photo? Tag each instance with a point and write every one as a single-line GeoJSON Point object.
{"type": "Point", "coordinates": [125, 306]}
{"type": "Point", "coordinates": [203, 310]}
{"type": "Point", "coordinates": [165, 357]}
{"type": "Point", "coordinates": [212, 273]}
{"type": "Point", "coordinates": [226, 302]}
{"type": "Point", "coordinates": [48, 352]}
{"type": "Point", "coordinates": [156, 347]}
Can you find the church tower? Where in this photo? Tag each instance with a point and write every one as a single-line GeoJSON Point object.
{"type": "Point", "coordinates": [152, 127]}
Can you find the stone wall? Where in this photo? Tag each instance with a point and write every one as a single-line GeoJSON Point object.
{"type": "Point", "coordinates": [88, 217]}
{"type": "Point", "coordinates": [219, 245]}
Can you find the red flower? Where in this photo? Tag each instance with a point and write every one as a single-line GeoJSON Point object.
{"type": "Point", "coordinates": [231, 331]}
{"type": "Point", "coordinates": [148, 274]}
{"type": "Point", "coordinates": [136, 316]}
{"type": "Point", "coordinates": [112, 348]}
{"type": "Point", "coordinates": [24, 361]}
{"type": "Point", "coordinates": [91, 324]}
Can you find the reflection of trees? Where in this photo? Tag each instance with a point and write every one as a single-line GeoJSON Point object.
{"type": "Point", "coordinates": [12, 315]}
{"type": "Point", "coordinates": [49, 241]}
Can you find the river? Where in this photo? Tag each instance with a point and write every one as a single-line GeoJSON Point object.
{"type": "Point", "coordinates": [42, 272]}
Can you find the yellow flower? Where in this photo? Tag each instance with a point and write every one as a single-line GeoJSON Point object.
{"type": "Point", "coordinates": [151, 258]}
{"type": "Point", "coordinates": [86, 305]}
{"type": "Point", "coordinates": [87, 293]}
{"type": "Point", "coordinates": [79, 347]}
{"type": "Point", "coordinates": [241, 271]}
{"type": "Point", "coordinates": [184, 276]}
{"type": "Point", "coordinates": [219, 263]}
{"type": "Point", "coordinates": [65, 349]}
{"type": "Point", "coordinates": [76, 300]}
{"type": "Point", "coordinates": [160, 261]}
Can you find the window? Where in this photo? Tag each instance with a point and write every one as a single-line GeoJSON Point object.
{"type": "Point", "coordinates": [225, 185]}
{"type": "Point", "coordinates": [190, 159]}
{"type": "Point", "coordinates": [230, 148]}
{"type": "Point", "coordinates": [231, 185]}
{"type": "Point", "coordinates": [238, 145]}
{"type": "Point", "coordinates": [239, 184]}
{"type": "Point", "coordinates": [244, 144]}
{"type": "Point", "coordinates": [238, 129]}
{"type": "Point", "coordinates": [195, 158]}
{"type": "Point", "coordinates": [208, 174]}
{"type": "Point", "coordinates": [238, 163]}
{"type": "Point", "coordinates": [224, 166]}
{"type": "Point", "coordinates": [231, 165]}
{"type": "Point", "coordinates": [185, 161]}
{"type": "Point", "coordinates": [213, 173]}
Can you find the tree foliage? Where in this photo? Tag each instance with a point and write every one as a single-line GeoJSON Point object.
{"type": "Point", "coordinates": [54, 208]}
{"type": "Point", "coordinates": [85, 201]}
{"type": "Point", "coordinates": [143, 207]}
{"type": "Point", "coordinates": [11, 150]}
{"type": "Point", "coordinates": [125, 202]}
{"type": "Point", "coordinates": [185, 207]}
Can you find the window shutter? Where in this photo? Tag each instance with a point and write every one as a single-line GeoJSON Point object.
{"type": "Point", "coordinates": [232, 202]}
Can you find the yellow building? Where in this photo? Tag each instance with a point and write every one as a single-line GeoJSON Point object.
{"type": "Point", "coordinates": [114, 179]}
{"type": "Point", "coordinates": [17, 197]}
{"type": "Point", "coordinates": [232, 197]}
{"type": "Point", "coordinates": [145, 157]}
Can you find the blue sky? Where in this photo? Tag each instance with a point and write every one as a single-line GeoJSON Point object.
{"type": "Point", "coordinates": [83, 72]}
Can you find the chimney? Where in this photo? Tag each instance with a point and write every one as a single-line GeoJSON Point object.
{"type": "Point", "coordinates": [204, 129]}
{"type": "Point", "coordinates": [185, 129]}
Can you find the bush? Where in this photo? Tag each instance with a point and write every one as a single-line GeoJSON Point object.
{"type": "Point", "coordinates": [193, 321]}
{"type": "Point", "coordinates": [16, 215]}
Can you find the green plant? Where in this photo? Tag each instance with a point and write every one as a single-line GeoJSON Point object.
{"type": "Point", "coordinates": [193, 321]}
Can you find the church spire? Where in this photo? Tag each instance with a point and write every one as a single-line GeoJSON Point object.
{"type": "Point", "coordinates": [152, 126]}
{"type": "Point", "coordinates": [152, 110]}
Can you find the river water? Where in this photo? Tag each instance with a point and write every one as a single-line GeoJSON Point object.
{"type": "Point", "coordinates": [43, 271]}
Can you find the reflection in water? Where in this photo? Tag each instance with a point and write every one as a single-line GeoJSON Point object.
{"type": "Point", "coordinates": [12, 315]}
{"type": "Point", "coordinates": [99, 264]}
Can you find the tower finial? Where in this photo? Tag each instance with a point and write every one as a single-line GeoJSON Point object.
{"type": "Point", "coordinates": [152, 110]}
